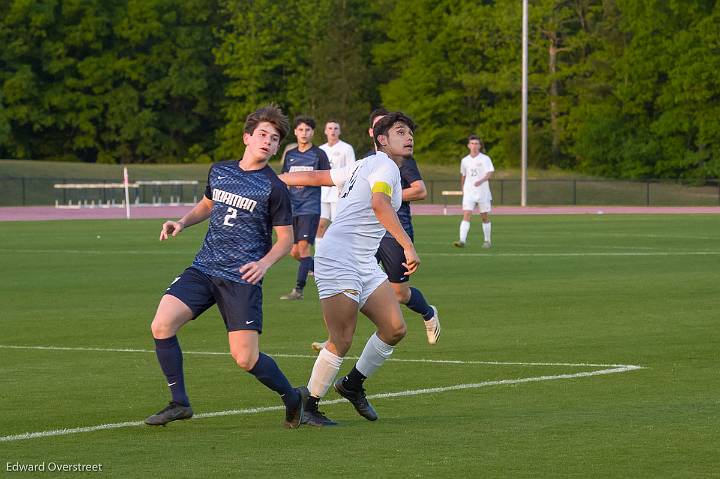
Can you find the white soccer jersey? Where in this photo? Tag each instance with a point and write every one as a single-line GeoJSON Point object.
{"type": "Point", "coordinates": [353, 238]}
{"type": "Point", "coordinates": [341, 154]}
{"type": "Point", "coordinates": [473, 169]}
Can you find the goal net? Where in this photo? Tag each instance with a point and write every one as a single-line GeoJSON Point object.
{"type": "Point", "coordinates": [139, 193]}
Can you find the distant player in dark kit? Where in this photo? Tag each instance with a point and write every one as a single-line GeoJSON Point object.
{"type": "Point", "coordinates": [305, 200]}
{"type": "Point", "coordinates": [244, 201]}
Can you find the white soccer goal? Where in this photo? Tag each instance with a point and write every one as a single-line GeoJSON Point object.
{"type": "Point", "coordinates": [141, 193]}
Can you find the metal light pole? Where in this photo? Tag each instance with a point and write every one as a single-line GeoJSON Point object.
{"type": "Point", "coordinates": [523, 141]}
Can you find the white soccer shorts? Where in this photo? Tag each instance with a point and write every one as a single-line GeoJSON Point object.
{"type": "Point", "coordinates": [328, 210]}
{"type": "Point", "coordinates": [484, 203]}
{"type": "Point", "coordinates": [332, 279]}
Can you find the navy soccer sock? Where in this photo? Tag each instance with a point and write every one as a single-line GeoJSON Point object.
{"type": "Point", "coordinates": [171, 361]}
{"type": "Point", "coordinates": [306, 265]}
{"type": "Point", "coordinates": [267, 372]}
{"type": "Point", "coordinates": [418, 304]}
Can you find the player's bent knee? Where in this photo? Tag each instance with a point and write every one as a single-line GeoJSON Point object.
{"type": "Point", "coordinates": [400, 332]}
{"type": "Point", "coordinates": [342, 343]}
{"type": "Point", "coordinates": [394, 334]}
{"type": "Point", "coordinates": [402, 295]}
{"type": "Point", "coordinates": [245, 360]}
{"type": "Point", "coordinates": [162, 329]}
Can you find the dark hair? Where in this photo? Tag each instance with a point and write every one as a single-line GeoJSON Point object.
{"type": "Point", "coordinates": [271, 114]}
{"type": "Point", "coordinates": [376, 113]}
{"type": "Point", "coordinates": [475, 137]}
{"type": "Point", "coordinates": [383, 126]}
{"type": "Point", "coordinates": [304, 119]}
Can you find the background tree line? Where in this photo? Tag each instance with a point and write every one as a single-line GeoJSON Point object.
{"type": "Point", "coordinates": [620, 88]}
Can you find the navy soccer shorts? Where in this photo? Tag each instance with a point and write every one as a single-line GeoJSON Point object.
{"type": "Point", "coordinates": [240, 304]}
{"type": "Point", "coordinates": [391, 257]}
{"type": "Point", "coordinates": [305, 227]}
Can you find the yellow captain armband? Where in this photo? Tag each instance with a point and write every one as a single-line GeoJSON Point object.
{"type": "Point", "coordinates": [382, 187]}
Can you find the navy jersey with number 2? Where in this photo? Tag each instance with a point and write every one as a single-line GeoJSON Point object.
{"type": "Point", "coordinates": [247, 204]}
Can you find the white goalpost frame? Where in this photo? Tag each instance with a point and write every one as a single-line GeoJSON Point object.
{"type": "Point", "coordinates": [125, 186]}
{"type": "Point", "coordinates": [127, 193]}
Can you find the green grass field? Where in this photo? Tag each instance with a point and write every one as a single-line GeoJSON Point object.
{"type": "Point", "coordinates": [573, 293]}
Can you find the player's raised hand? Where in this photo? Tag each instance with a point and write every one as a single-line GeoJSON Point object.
{"type": "Point", "coordinates": [412, 261]}
{"type": "Point", "coordinates": [170, 228]}
{"type": "Point", "coordinates": [254, 271]}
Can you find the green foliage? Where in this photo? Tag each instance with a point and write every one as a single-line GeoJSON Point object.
{"type": "Point", "coordinates": [626, 88]}
{"type": "Point", "coordinates": [308, 57]}
{"type": "Point", "coordinates": [125, 81]}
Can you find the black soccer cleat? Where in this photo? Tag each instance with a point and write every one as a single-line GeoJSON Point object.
{"type": "Point", "coordinates": [358, 400]}
{"type": "Point", "coordinates": [173, 412]}
{"type": "Point", "coordinates": [293, 416]}
{"type": "Point", "coordinates": [313, 417]}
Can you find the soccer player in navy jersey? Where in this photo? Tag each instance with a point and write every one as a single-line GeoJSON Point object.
{"type": "Point", "coordinates": [244, 202]}
{"type": "Point", "coordinates": [305, 200]}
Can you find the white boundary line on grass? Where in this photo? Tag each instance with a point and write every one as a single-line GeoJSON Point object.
{"type": "Point", "coordinates": [313, 356]}
{"type": "Point", "coordinates": [257, 410]}
{"type": "Point", "coordinates": [560, 255]}
{"type": "Point", "coordinates": [613, 369]}
{"type": "Point", "coordinates": [487, 255]}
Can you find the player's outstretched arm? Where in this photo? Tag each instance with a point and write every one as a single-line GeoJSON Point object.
{"type": "Point", "coordinates": [415, 192]}
{"type": "Point", "coordinates": [307, 178]}
{"type": "Point", "coordinates": [254, 271]}
{"type": "Point", "coordinates": [198, 214]}
{"type": "Point", "coordinates": [387, 217]}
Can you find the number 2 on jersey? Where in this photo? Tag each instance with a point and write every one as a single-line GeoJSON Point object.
{"type": "Point", "coordinates": [232, 214]}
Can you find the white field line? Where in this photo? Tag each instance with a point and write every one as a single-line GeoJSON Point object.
{"type": "Point", "coordinates": [257, 410]}
{"type": "Point", "coordinates": [90, 252]}
{"type": "Point", "coordinates": [312, 356]}
{"type": "Point", "coordinates": [566, 255]}
{"type": "Point", "coordinates": [94, 252]}
{"type": "Point", "coordinates": [610, 369]}
{"type": "Point", "coordinates": [561, 234]}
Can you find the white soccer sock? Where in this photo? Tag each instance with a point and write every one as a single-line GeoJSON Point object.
{"type": "Point", "coordinates": [324, 371]}
{"type": "Point", "coordinates": [464, 228]}
{"type": "Point", "coordinates": [486, 231]}
{"type": "Point", "coordinates": [373, 356]}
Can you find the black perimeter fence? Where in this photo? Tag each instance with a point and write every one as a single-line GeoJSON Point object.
{"type": "Point", "coordinates": [540, 192]}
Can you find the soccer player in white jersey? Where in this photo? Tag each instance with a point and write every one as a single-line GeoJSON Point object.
{"type": "Point", "coordinates": [340, 154]}
{"type": "Point", "coordinates": [346, 271]}
{"type": "Point", "coordinates": [475, 172]}
{"type": "Point", "coordinates": [390, 254]}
